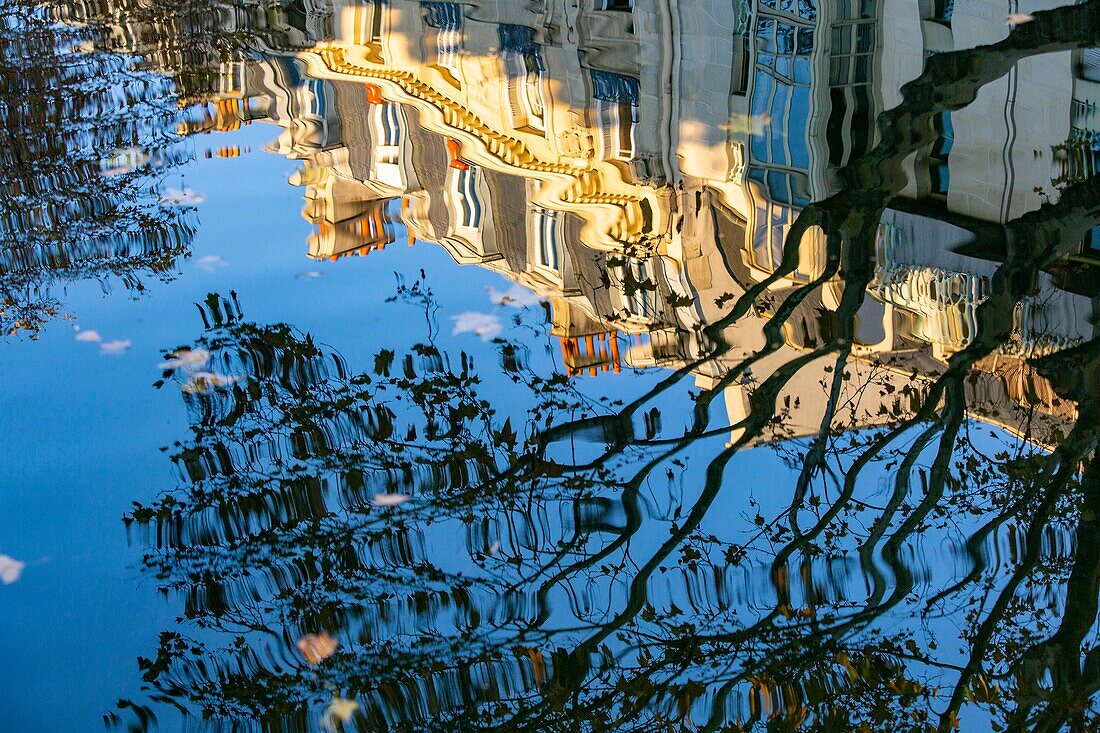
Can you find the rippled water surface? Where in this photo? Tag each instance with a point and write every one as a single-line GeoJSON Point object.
{"type": "Point", "coordinates": [613, 365]}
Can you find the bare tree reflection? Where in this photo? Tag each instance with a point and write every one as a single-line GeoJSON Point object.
{"type": "Point", "coordinates": [276, 534]}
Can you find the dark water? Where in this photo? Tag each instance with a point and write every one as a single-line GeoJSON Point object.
{"type": "Point", "coordinates": [629, 365]}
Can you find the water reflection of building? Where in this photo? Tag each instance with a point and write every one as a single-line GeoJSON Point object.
{"type": "Point", "coordinates": [639, 162]}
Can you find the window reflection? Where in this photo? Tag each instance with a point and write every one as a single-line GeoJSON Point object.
{"type": "Point", "coordinates": [617, 100]}
{"type": "Point", "coordinates": [547, 240]}
{"type": "Point", "coordinates": [523, 71]}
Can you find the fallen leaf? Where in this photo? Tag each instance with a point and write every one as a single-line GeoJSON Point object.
{"type": "Point", "coordinates": [389, 499]}
{"type": "Point", "coordinates": [211, 263]}
{"type": "Point", "coordinates": [114, 348]}
{"type": "Point", "coordinates": [338, 710]}
{"type": "Point", "coordinates": [10, 569]}
{"type": "Point", "coordinates": [748, 124]}
{"type": "Point", "coordinates": [181, 197]}
{"type": "Point", "coordinates": [515, 296]}
{"type": "Point", "coordinates": [186, 358]}
{"type": "Point", "coordinates": [90, 335]}
{"type": "Point", "coordinates": [485, 325]}
{"type": "Point", "coordinates": [204, 382]}
{"type": "Point", "coordinates": [316, 648]}
{"type": "Point", "coordinates": [538, 664]}
{"type": "Point", "coordinates": [123, 161]}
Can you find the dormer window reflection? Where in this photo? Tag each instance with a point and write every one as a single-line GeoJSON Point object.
{"type": "Point", "coordinates": [367, 26]}
{"type": "Point", "coordinates": [523, 72]}
{"type": "Point", "coordinates": [447, 19]}
{"type": "Point", "coordinates": [617, 99]}
{"type": "Point", "coordinates": [939, 160]}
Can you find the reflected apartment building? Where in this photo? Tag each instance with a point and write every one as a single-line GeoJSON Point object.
{"type": "Point", "coordinates": [639, 162]}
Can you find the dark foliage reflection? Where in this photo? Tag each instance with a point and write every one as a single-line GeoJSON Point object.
{"type": "Point", "coordinates": [515, 591]}
{"type": "Point", "coordinates": [86, 141]}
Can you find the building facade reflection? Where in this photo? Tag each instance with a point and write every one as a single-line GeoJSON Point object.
{"type": "Point", "coordinates": [640, 164]}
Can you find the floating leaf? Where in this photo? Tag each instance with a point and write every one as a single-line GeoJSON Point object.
{"type": "Point", "coordinates": [204, 382]}
{"type": "Point", "coordinates": [679, 301]}
{"type": "Point", "coordinates": [114, 348]}
{"type": "Point", "coordinates": [538, 663]}
{"type": "Point", "coordinates": [211, 263]}
{"type": "Point", "coordinates": [123, 161]}
{"type": "Point", "coordinates": [485, 325]}
{"type": "Point", "coordinates": [186, 358]}
{"type": "Point", "coordinates": [389, 499]}
{"type": "Point", "coordinates": [338, 710]}
{"type": "Point", "coordinates": [316, 648]}
{"type": "Point", "coordinates": [181, 197]}
{"type": "Point", "coordinates": [516, 297]}
{"type": "Point", "coordinates": [89, 336]}
{"type": "Point", "coordinates": [10, 569]}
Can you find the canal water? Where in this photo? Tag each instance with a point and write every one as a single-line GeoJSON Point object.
{"type": "Point", "coordinates": [629, 365]}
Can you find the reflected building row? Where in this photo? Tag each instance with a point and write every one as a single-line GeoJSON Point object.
{"type": "Point", "coordinates": [639, 163]}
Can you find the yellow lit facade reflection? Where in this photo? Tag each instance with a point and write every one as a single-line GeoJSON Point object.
{"type": "Point", "coordinates": [639, 163]}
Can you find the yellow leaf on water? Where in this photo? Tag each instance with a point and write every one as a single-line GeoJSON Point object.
{"type": "Point", "coordinates": [338, 710]}
{"type": "Point", "coordinates": [538, 664]}
{"type": "Point", "coordinates": [754, 125]}
{"type": "Point", "coordinates": [204, 382]}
